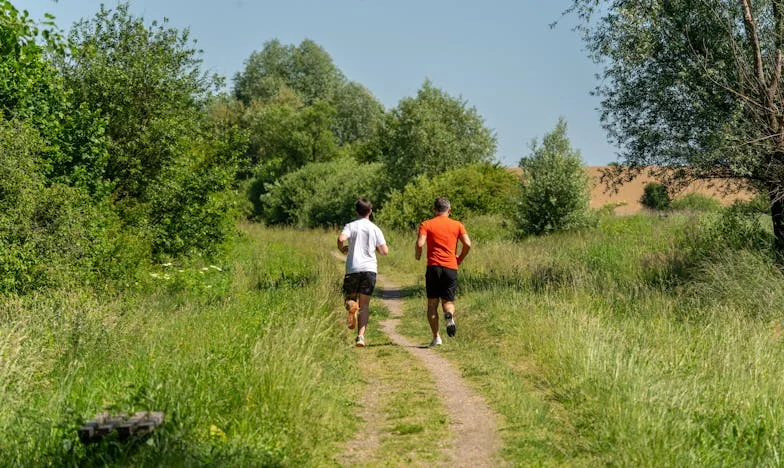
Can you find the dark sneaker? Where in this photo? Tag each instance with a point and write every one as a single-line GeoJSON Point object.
{"type": "Point", "coordinates": [360, 341]}
{"type": "Point", "coordinates": [451, 328]}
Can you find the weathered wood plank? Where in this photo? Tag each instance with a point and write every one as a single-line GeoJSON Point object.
{"type": "Point", "coordinates": [143, 422]}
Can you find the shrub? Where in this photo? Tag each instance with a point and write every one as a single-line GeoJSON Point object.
{"type": "Point", "coordinates": [655, 197]}
{"type": "Point", "coordinates": [760, 203]}
{"type": "Point", "coordinates": [321, 194]}
{"type": "Point", "coordinates": [54, 235]}
{"type": "Point", "coordinates": [555, 196]}
{"type": "Point", "coordinates": [481, 189]}
{"type": "Point", "coordinates": [695, 202]}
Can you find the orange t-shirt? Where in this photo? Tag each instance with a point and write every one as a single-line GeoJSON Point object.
{"type": "Point", "coordinates": [442, 234]}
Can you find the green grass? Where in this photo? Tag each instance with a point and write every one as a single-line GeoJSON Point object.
{"type": "Point", "coordinates": [247, 359]}
{"type": "Point", "coordinates": [647, 341]}
{"type": "Point", "coordinates": [617, 346]}
{"type": "Point", "coordinates": [411, 417]}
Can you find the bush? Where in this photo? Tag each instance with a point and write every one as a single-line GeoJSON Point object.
{"type": "Point", "coordinates": [760, 203]}
{"type": "Point", "coordinates": [481, 189]}
{"type": "Point", "coordinates": [695, 202]}
{"type": "Point", "coordinates": [555, 196]}
{"type": "Point", "coordinates": [54, 235]}
{"type": "Point", "coordinates": [321, 194]}
{"type": "Point", "coordinates": [655, 197]}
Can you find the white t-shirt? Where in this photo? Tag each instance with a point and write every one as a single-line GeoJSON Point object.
{"type": "Point", "coordinates": [363, 238]}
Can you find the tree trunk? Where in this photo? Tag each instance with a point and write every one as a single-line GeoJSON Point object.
{"type": "Point", "coordinates": [777, 215]}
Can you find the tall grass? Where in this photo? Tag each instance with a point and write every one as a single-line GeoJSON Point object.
{"type": "Point", "coordinates": [245, 358]}
{"type": "Point", "coordinates": [649, 341]}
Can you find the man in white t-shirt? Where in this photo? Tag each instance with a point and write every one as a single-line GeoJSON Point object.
{"type": "Point", "coordinates": [364, 240]}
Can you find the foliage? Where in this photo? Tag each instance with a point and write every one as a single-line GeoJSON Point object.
{"type": "Point", "coordinates": [655, 196]}
{"type": "Point", "coordinates": [474, 190]}
{"type": "Point", "coordinates": [695, 202]}
{"type": "Point", "coordinates": [299, 108]}
{"type": "Point", "coordinates": [358, 114]}
{"type": "Point", "coordinates": [53, 235]}
{"type": "Point", "coordinates": [170, 167]}
{"type": "Point", "coordinates": [605, 357]}
{"type": "Point", "coordinates": [555, 194]}
{"type": "Point", "coordinates": [430, 134]}
{"type": "Point", "coordinates": [200, 342]}
{"type": "Point", "coordinates": [733, 229]}
{"type": "Point", "coordinates": [145, 81]}
{"type": "Point", "coordinates": [31, 91]}
{"type": "Point", "coordinates": [759, 203]}
{"type": "Point", "coordinates": [321, 194]}
{"type": "Point", "coordinates": [694, 85]}
{"type": "Point", "coordinates": [306, 69]}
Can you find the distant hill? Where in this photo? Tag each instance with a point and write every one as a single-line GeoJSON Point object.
{"type": "Point", "coordinates": [629, 194]}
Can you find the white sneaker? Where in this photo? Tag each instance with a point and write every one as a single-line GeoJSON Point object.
{"type": "Point", "coordinates": [436, 342]}
{"type": "Point", "coordinates": [360, 341]}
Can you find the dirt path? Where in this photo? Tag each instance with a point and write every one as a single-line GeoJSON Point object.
{"type": "Point", "coordinates": [475, 439]}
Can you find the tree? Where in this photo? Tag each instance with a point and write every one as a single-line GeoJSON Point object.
{"type": "Point", "coordinates": [307, 69]}
{"type": "Point", "coordinates": [694, 85]}
{"type": "Point", "coordinates": [555, 194]}
{"type": "Point", "coordinates": [172, 167]}
{"type": "Point", "coordinates": [146, 82]}
{"type": "Point", "coordinates": [31, 91]}
{"type": "Point", "coordinates": [358, 114]}
{"type": "Point", "coordinates": [321, 194]}
{"type": "Point", "coordinates": [431, 133]}
{"type": "Point", "coordinates": [474, 190]}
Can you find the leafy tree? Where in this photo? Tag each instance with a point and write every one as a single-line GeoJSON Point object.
{"type": "Point", "coordinates": [474, 190]}
{"type": "Point", "coordinates": [307, 69]}
{"type": "Point", "coordinates": [32, 91]}
{"type": "Point", "coordinates": [432, 133]}
{"type": "Point", "coordinates": [285, 136]}
{"type": "Point", "coordinates": [655, 196]}
{"type": "Point", "coordinates": [694, 84]}
{"type": "Point", "coordinates": [358, 114]}
{"type": "Point", "coordinates": [321, 194]}
{"type": "Point", "coordinates": [555, 194]}
{"type": "Point", "coordinates": [146, 82]}
{"type": "Point", "coordinates": [171, 167]}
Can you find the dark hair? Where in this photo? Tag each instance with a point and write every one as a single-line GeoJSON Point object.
{"type": "Point", "coordinates": [363, 206]}
{"type": "Point", "coordinates": [441, 205]}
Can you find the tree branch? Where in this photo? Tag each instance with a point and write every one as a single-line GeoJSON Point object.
{"type": "Point", "coordinates": [753, 38]}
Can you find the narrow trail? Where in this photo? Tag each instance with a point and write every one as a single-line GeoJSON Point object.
{"type": "Point", "coordinates": [476, 440]}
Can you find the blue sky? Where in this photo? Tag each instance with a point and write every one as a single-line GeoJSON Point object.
{"type": "Point", "coordinates": [500, 56]}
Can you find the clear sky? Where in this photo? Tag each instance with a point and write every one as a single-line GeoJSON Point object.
{"type": "Point", "coordinates": [500, 56]}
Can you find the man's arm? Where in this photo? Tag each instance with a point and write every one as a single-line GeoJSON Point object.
{"type": "Point", "coordinates": [419, 244]}
{"type": "Point", "coordinates": [466, 241]}
{"type": "Point", "coordinates": [382, 249]}
{"type": "Point", "coordinates": [341, 239]}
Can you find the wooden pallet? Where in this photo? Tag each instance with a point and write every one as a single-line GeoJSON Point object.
{"type": "Point", "coordinates": [141, 423]}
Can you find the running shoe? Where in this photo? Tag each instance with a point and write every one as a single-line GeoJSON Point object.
{"type": "Point", "coordinates": [451, 328]}
{"type": "Point", "coordinates": [436, 342]}
{"type": "Point", "coordinates": [352, 307]}
{"type": "Point", "coordinates": [360, 341]}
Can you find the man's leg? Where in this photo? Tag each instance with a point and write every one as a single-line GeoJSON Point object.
{"type": "Point", "coordinates": [449, 316]}
{"type": "Point", "coordinates": [432, 315]}
{"type": "Point", "coordinates": [352, 306]}
{"type": "Point", "coordinates": [364, 313]}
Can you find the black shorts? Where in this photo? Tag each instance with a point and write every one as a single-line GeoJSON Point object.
{"type": "Point", "coordinates": [363, 282]}
{"type": "Point", "coordinates": [441, 283]}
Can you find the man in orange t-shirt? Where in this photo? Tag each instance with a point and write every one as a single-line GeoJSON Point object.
{"type": "Point", "coordinates": [441, 234]}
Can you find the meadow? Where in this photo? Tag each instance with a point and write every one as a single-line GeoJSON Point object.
{"type": "Point", "coordinates": [651, 340]}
